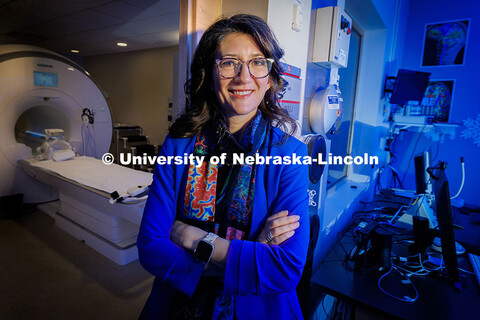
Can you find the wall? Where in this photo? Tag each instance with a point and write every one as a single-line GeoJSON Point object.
{"type": "Point", "coordinates": [465, 104]}
{"type": "Point", "coordinates": [295, 43]}
{"type": "Point", "coordinates": [380, 23]}
{"type": "Point", "coordinates": [138, 85]}
{"type": "Point", "coordinates": [278, 14]}
{"type": "Point", "coordinates": [383, 23]}
{"type": "Point", "coordinates": [256, 7]}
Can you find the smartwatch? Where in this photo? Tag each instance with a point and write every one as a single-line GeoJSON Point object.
{"type": "Point", "coordinates": [205, 248]}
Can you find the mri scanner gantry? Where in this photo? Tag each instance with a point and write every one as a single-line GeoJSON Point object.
{"type": "Point", "coordinates": [39, 90]}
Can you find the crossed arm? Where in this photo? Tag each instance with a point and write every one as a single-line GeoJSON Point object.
{"type": "Point", "coordinates": [281, 225]}
{"type": "Point", "coordinates": [251, 267]}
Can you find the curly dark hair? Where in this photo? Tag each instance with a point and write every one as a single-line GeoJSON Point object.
{"type": "Point", "coordinates": [202, 104]}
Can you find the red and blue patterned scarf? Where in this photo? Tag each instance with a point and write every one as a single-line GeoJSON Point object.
{"type": "Point", "coordinates": [226, 211]}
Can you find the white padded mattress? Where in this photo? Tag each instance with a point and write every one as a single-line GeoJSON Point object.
{"type": "Point", "coordinates": [94, 173]}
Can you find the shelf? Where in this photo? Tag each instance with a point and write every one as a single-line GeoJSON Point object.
{"type": "Point", "coordinates": [435, 131]}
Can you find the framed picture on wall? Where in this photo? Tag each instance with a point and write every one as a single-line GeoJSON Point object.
{"type": "Point", "coordinates": [438, 99]}
{"type": "Point", "coordinates": [445, 43]}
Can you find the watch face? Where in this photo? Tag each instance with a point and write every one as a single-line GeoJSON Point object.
{"type": "Point", "coordinates": [204, 251]}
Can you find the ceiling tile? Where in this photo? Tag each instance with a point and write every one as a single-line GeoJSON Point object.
{"type": "Point", "coordinates": [165, 22]}
{"type": "Point", "coordinates": [90, 25]}
{"type": "Point", "coordinates": [120, 9]}
{"type": "Point", "coordinates": [155, 8]}
{"type": "Point", "coordinates": [68, 7]}
{"type": "Point", "coordinates": [25, 13]}
{"type": "Point", "coordinates": [86, 21]}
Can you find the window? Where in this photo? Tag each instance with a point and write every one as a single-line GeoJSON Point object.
{"type": "Point", "coordinates": [341, 141]}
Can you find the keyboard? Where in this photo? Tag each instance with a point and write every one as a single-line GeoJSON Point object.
{"type": "Point", "coordinates": [475, 261]}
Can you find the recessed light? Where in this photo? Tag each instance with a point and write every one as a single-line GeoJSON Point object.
{"type": "Point", "coordinates": [74, 51]}
{"type": "Point", "coordinates": [71, 69]}
{"type": "Point", "coordinates": [121, 44]}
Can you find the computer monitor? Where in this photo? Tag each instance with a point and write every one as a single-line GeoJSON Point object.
{"type": "Point", "coordinates": [422, 178]}
{"type": "Point", "coordinates": [409, 86]}
{"type": "Point", "coordinates": [445, 221]}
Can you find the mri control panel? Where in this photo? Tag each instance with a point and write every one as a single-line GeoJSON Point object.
{"type": "Point", "coordinates": [333, 28]}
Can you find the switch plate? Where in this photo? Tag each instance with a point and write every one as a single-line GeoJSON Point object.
{"type": "Point", "coordinates": [297, 17]}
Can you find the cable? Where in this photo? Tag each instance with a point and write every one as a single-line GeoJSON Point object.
{"type": "Point", "coordinates": [434, 158]}
{"type": "Point", "coordinates": [339, 260]}
{"type": "Point", "coordinates": [341, 245]}
{"type": "Point", "coordinates": [440, 267]}
{"type": "Point", "coordinates": [39, 203]}
{"type": "Point", "coordinates": [463, 179]}
{"type": "Point", "coordinates": [132, 196]}
{"type": "Point", "coordinates": [396, 177]}
{"type": "Point", "coordinates": [404, 241]}
{"type": "Point", "coordinates": [393, 144]}
{"type": "Point", "coordinates": [378, 185]}
{"type": "Point", "coordinates": [323, 307]}
{"type": "Point", "coordinates": [405, 281]}
{"type": "Point", "coordinates": [397, 213]}
{"type": "Point", "coordinates": [384, 200]}
{"type": "Point", "coordinates": [356, 213]}
{"type": "Point", "coordinates": [94, 141]}
{"type": "Point", "coordinates": [385, 225]}
{"type": "Point", "coordinates": [126, 199]}
{"type": "Point", "coordinates": [469, 272]}
{"type": "Point", "coordinates": [422, 270]}
{"type": "Point", "coordinates": [83, 138]}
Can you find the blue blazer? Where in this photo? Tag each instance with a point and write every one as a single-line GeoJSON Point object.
{"type": "Point", "coordinates": [262, 277]}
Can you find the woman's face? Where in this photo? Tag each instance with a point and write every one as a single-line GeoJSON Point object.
{"type": "Point", "coordinates": [241, 95]}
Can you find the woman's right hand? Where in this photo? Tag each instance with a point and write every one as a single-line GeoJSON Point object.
{"type": "Point", "coordinates": [280, 226]}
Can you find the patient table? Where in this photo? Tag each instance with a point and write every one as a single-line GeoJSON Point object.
{"type": "Point", "coordinates": [84, 186]}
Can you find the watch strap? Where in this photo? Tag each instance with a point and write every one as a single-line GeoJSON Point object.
{"type": "Point", "coordinates": [210, 237]}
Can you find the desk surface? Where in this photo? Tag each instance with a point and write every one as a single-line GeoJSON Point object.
{"type": "Point", "coordinates": [437, 299]}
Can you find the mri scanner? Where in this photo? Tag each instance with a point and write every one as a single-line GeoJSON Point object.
{"type": "Point", "coordinates": [40, 90]}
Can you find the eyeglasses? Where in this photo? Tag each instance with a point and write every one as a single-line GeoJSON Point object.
{"type": "Point", "coordinates": [231, 67]}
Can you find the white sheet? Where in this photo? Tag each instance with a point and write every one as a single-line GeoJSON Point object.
{"type": "Point", "coordinates": [94, 173]}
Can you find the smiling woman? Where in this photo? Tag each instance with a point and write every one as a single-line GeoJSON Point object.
{"type": "Point", "coordinates": [203, 103]}
{"type": "Point", "coordinates": [240, 92]}
{"type": "Point", "coordinates": [228, 240]}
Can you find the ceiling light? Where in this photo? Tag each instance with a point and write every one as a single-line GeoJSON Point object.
{"type": "Point", "coordinates": [71, 69]}
{"type": "Point", "coordinates": [74, 51]}
{"type": "Point", "coordinates": [121, 44]}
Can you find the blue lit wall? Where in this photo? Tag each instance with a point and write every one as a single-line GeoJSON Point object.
{"type": "Point", "coordinates": [465, 103]}
{"type": "Point", "coordinates": [385, 22]}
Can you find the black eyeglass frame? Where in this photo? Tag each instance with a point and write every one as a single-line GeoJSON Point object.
{"type": "Point", "coordinates": [218, 61]}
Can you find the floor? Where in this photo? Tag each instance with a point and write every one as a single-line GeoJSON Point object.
{"type": "Point", "coordinates": [47, 274]}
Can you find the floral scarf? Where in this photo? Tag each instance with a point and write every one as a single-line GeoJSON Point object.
{"type": "Point", "coordinates": [227, 211]}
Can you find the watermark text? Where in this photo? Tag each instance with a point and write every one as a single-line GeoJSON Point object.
{"type": "Point", "coordinates": [241, 159]}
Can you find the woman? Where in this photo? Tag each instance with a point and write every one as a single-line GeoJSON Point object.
{"type": "Point", "coordinates": [228, 240]}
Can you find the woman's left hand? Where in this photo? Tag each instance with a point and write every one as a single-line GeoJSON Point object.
{"type": "Point", "coordinates": [278, 228]}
